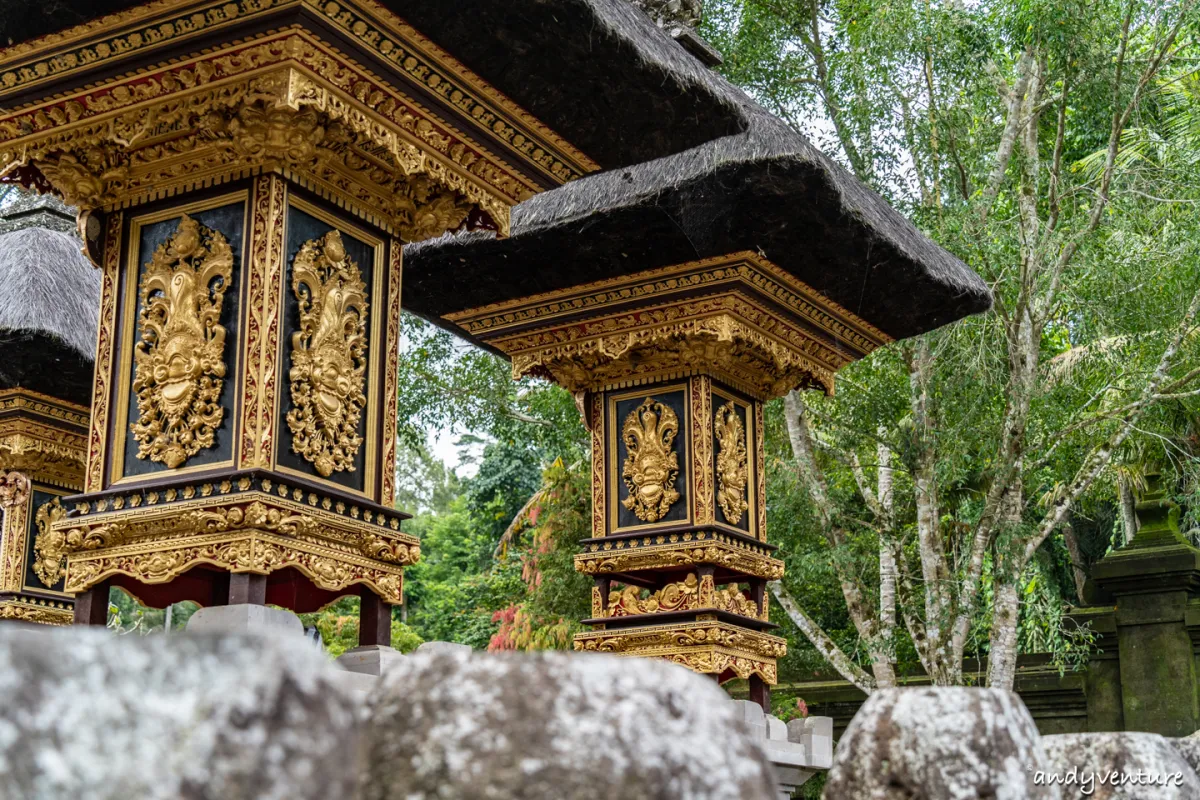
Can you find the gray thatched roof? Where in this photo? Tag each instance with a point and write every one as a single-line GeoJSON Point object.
{"type": "Point", "coordinates": [31, 210]}
{"type": "Point", "coordinates": [597, 72]}
{"type": "Point", "coordinates": [765, 189]}
{"type": "Point", "coordinates": [47, 286]}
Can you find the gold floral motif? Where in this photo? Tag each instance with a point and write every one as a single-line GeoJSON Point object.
{"type": "Point", "coordinates": [733, 600]}
{"type": "Point", "coordinates": [381, 548]}
{"type": "Point", "coordinates": [102, 371]}
{"type": "Point", "coordinates": [329, 358]}
{"type": "Point", "coordinates": [30, 611]}
{"type": "Point", "coordinates": [180, 358]}
{"type": "Point", "coordinates": [598, 609]}
{"type": "Point", "coordinates": [731, 463]}
{"type": "Point", "coordinates": [666, 639]}
{"type": "Point", "coordinates": [391, 376]}
{"type": "Point", "coordinates": [14, 489]}
{"type": "Point", "coordinates": [50, 546]}
{"type": "Point", "coordinates": [264, 269]}
{"type": "Point", "coordinates": [651, 463]}
{"type": "Point", "coordinates": [678, 596]}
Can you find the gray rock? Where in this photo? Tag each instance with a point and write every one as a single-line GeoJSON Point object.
{"type": "Point", "coordinates": [371, 659]}
{"type": "Point", "coordinates": [93, 716]}
{"type": "Point", "coordinates": [939, 743]}
{"type": "Point", "coordinates": [245, 618]}
{"type": "Point", "coordinates": [1120, 766]}
{"type": "Point", "coordinates": [1189, 748]}
{"type": "Point", "coordinates": [461, 725]}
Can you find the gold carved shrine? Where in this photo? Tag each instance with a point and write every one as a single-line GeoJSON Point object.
{"type": "Point", "coordinates": [43, 447]}
{"type": "Point", "coordinates": [670, 369]}
{"type": "Point", "coordinates": [247, 173]}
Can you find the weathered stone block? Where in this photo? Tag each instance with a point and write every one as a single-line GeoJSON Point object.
{"type": "Point", "coordinates": [94, 716]}
{"type": "Point", "coordinates": [459, 725]}
{"type": "Point", "coordinates": [1120, 766]}
{"type": "Point", "coordinates": [939, 743]}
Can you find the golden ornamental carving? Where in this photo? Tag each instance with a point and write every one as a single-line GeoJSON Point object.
{"type": "Point", "coordinates": [678, 596]}
{"type": "Point", "coordinates": [663, 640]}
{"type": "Point", "coordinates": [651, 463]}
{"type": "Point", "coordinates": [54, 543]}
{"type": "Point", "coordinates": [671, 556]}
{"type": "Point", "coordinates": [732, 475]}
{"type": "Point", "coordinates": [28, 611]}
{"type": "Point", "coordinates": [180, 356]}
{"type": "Point", "coordinates": [329, 355]}
{"type": "Point", "coordinates": [391, 551]}
{"type": "Point", "coordinates": [14, 489]}
{"type": "Point", "coordinates": [733, 600]}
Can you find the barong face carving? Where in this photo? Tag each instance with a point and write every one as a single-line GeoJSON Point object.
{"type": "Point", "coordinates": [651, 464]}
{"type": "Point", "coordinates": [731, 463]}
{"type": "Point", "coordinates": [329, 355]}
{"type": "Point", "coordinates": [180, 355]}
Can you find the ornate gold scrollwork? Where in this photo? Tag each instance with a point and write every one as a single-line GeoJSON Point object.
{"type": "Point", "coordinates": [678, 596]}
{"type": "Point", "coordinates": [329, 355]}
{"type": "Point", "coordinates": [14, 489]}
{"type": "Point", "coordinates": [50, 547]}
{"type": "Point", "coordinates": [731, 463]}
{"type": "Point", "coordinates": [651, 463]}
{"type": "Point", "coordinates": [180, 358]}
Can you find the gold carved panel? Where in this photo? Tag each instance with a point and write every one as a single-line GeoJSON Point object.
{"type": "Point", "coordinates": [180, 355]}
{"type": "Point", "coordinates": [732, 467]}
{"type": "Point", "coordinates": [329, 355]}
{"type": "Point", "coordinates": [651, 464]}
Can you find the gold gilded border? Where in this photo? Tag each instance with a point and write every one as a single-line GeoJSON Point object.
{"type": "Point", "coordinates": [16, 502]}
{"type": "Point", "coordinates": [375, 352]}
{"type": "Point", "coordinates": [391, 380]}
{"type": "Point", "coordinates": [129, 335]}
{"type": "Point", "coordinates": [599, 472]}
{"type": "Point", "coordinates": [41, 613]}
{"type": "Point", "coordinates": [614, 480]}
{"type": "Point", "coordinates": [22, 547]}
{"type": "Point", "coordinates": [678, 550]}
{"type": "Point", "coordinates": [760, 462]}
{"type": "Point", "coordinates": [752, 460]}
{"type": "Point", "coordinates": [264, 269]}
{"type": "Point", "coordinates": [700, 397]}
{"type": "Point", "coordinates": [102, 383]}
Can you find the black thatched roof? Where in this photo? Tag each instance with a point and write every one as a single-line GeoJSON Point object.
{"type": "Point", "coordinates": [598, 72]}
{"type": "Point", "coordinates": [766, 190]}
{"type": "Point", "coordinates": [49, 311]}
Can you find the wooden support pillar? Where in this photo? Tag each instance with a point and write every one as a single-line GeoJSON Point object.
{"type": "Point", "coordinates": [91, 607]}
{"type": "Point", "coordinates": [247, 588]}
{"type": "Point", "coordinates": [374, 620]}
{"type": "Point", "coordinates": [760, 693]}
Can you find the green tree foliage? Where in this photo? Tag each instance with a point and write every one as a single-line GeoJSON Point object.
{"type": "Point", "coordinates": [958, 486]}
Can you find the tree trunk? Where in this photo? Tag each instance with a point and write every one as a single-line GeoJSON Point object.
{"type": "Point", "coordinates": [1002, 659]}
{"type": "Point", "coordinates": [1076, 559]}
{"type": "Point", "coordinates": [821, 640]}
{"type": "Point", "coordinates": [1128, 513]}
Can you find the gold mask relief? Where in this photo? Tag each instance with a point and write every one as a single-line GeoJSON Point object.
{"type": "Point", "coordinates": [329, 355]}
{"type": "Point", "coordinates": [731, 464]}
{"type": "Point", "coordinates": [180, 355]}
{"type": "Point", "coordinates": [651, 464]}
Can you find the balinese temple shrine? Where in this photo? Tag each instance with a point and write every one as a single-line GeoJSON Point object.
{"type": "Point", "coordinates": [49, 303]}
{"type": "Point", "coordinates": [674, 299]}
{"type": "Point", "coordinates": [255, 176]}
{"type": "Point", "coordinates": [246, 174]}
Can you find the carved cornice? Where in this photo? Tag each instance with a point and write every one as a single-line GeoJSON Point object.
{"type": "Point", "coordinates": [42, 612]}
{"type": "Point", "coordinates": [100, 44]}
{"type": "Point", "coordinates": [661, 551]}
{"type": "Point", "coordinates": [43, 438]}
{"type": "Point", "coordinates": [706, 646]}
{"type": "Point", "coordinates": [738, 318]}
{"type": "Point", "coordinates": [156, 536]}
{"type": "Point", "coordinates": [284, 102]}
